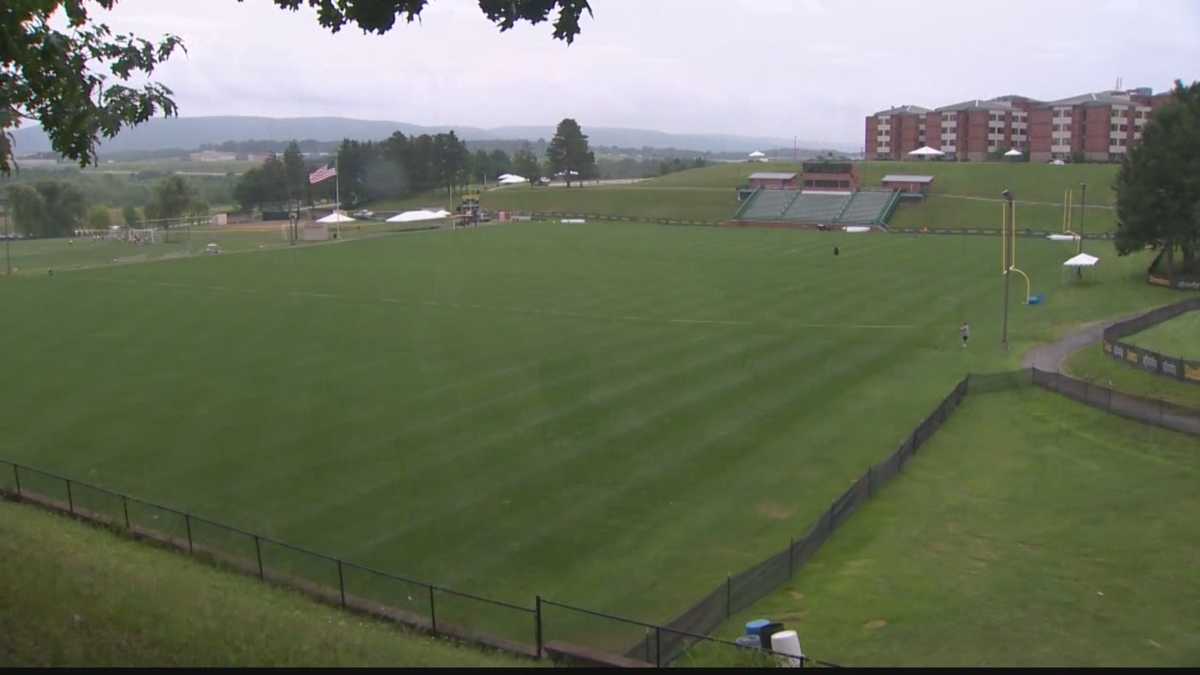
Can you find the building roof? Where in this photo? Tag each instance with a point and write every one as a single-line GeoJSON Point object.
{"type": "Point", "coordinates": [904, 110]}
{"type": "Point", "coordinates": [1100, 98]}
{"type": "Point", "coordinates": [905, 178]}
{"type": "Point", "coordinates": [977, 104]}
{"type": "Point", "coordinates": [772, 175]}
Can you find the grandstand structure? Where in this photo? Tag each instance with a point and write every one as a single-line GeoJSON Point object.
{"type": "Point", "coordinates": [831, 198]}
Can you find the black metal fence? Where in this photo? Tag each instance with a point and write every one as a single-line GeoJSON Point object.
{"type": "Point", "coordinates": [1147, 410]}
{"type": "Point", "coordinates": [1151, 361]}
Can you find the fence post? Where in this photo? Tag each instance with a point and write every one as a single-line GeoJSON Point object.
{"type": "Point", "coordinates": [125, 508]}
{"type": "Point", "coordinates": [537, 622]}
{"type": "Point", "coordinates": [432, 611]}
{"type": "Point", "coordinates": [187, 521]}
{"type": "Point", "coordinates": [17, 478]}
{"type": "Point", "coordinates": [341, 582]}
{"type": "Point", "coordinates": [658, 646]}
{"type": "Point", "coordinates": [70, 498]}
{"type": "Point", "coordinates": [258, 554]}
{"type": "Point", "coordinates": [728, 596]}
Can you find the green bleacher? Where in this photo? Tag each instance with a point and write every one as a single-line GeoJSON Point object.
{"type": "Point", "coordinates": [859, 208]}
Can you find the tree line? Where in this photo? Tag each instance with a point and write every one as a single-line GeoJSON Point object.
{"type": "Point", "coordinates": [57, 208]}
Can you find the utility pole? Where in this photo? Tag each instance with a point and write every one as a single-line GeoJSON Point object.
{"type": "Point", "coordinates": [1005, 262]}
{"type": "Point", "coordinates": [1082, 207]}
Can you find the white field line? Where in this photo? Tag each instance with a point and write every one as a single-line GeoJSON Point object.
{"type": "Point", "coordinates": [514, 310]}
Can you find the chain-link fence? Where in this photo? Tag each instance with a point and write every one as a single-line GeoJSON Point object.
{"type": "Point", "coordinates": [1151, 361]}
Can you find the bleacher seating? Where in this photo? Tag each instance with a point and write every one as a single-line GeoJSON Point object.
{"type": "Point", "coordinates": [859, 208]}
{"type": "Point", "coordinates": [866, 208]}
{"type": "Point", "coordinates": [816, 208]}
{"type": "Point", "coordinates": [768, 204]}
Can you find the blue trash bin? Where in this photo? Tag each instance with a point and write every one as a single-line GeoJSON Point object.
{"type": "Point", "coordinates": [755, 627]}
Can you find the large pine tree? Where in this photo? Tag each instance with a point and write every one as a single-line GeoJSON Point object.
{"type": "Point", "coordinates": [569, 154]}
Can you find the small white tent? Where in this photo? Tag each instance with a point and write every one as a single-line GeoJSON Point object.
{"type": "Point", "coordinates": [1058, 162]}
{"type": "Point", "coordinates": [336, 217]}
{"type": "Point", "coordinates": [1013, 153]}
{"type": "Point", "coordinates": [418, 215]}
{"type": "Point", "coordinates": [1082, 260]}
{"type": "Point", "coordinates": [510, 179]}
{"type": "Point", "coordinates": [926, 151]}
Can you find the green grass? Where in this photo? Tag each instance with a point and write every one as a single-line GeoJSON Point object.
{"type": "Point", "coordinates": [949, 211]}
{"type": "Point", "coordinates": [1179, 336]}
{"type": "Point", "coordinates": [1093, 365]}
{"type": "Point", "coordinates": [1032, 531]}
{"type": "Point", "coordinates": [708, 194]}
{"type": "Point", "coordinates": [631, 201]}
{"type": "Point", "coordinates": [39, 255]}
{"type": "Point", "coordinates": [76, 595]}
{"type": "Point", "coordinates": [583, 411]}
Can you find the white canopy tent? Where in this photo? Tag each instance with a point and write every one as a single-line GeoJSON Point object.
{"type": "Point", "coordinates": [510, 179]}
{"type": "Point", "coordinates": [926, 151]}
{"type": "Point", "coordinates": [756, 154]}
{"type": "Point", "coordinates": [1082, 260]}
{"type": "Point", "coordinates": [418, 215]}
{"type": "Point", "coordinates": [1014, 153]}
{"type": "Point", "coordinates": [1058, 162]}
{"type": "Point", "coordinates": [336, 218]}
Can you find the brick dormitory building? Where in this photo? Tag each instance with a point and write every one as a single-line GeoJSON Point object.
{"type": "Point", "coordinates": [1098, 127]}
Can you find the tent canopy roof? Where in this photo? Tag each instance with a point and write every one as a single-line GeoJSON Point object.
{"type": "Point", "coordinates": [419, 215]}
{"type": "Point", "coordinates": [926, 151]}
{"type": "Point", "coordinates": [1082, 260]}
{"type": "Point", "coordinates": [336, 217]}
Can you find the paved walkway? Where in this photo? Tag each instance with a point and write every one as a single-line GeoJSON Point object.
{"type": "Point", "coordinates": [1050, 357]}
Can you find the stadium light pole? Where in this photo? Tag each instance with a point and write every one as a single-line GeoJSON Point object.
{"type": "Point", "coordinates": [1007, 264]}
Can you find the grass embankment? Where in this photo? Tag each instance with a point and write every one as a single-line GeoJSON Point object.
{"type": "Point", "coordinates": [1031, 531]}
{"type": "Point", "coordinates": [76, 595]}
{"type": "Point", "coordinates": [1093, 365]}
{"type": "Point", "coordinates": [963, 194]}
{"type": "Point", "coordinates": [1179, 336]}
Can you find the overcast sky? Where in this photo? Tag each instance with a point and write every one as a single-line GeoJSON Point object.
{"type": "Point", "coordinates": [806, 68]}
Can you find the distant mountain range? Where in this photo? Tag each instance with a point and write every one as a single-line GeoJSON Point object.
{"type": "Point", "coordinates": [188, 133]}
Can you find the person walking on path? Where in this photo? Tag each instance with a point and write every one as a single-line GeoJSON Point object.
{"type": "Point", "coordinates": [965, 332]}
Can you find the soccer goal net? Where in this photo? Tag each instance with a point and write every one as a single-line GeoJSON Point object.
{"type": "Point", "coordinates": [142, 236]}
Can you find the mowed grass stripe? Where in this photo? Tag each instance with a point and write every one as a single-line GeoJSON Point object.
{"type": "Point", "coordinates": [628, 464]}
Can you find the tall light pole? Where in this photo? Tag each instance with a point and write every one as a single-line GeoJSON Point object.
{"type": "Point", "coordinates": [1008, 211]}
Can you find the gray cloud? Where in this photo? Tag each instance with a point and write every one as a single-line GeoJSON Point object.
{"type": "Point", "coordinates": [811, 68]}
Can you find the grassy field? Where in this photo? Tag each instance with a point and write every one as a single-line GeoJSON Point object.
{"type": "Point", "coordinates": [56, 609]}
{"type": "Point", "coordinates": [963, 194]}
{"type": "Point", "coordinates": [583, 412]}
{"type": "Point", "coordinates": [1178, 337]}
{"type": "Point", "coordinates": [1093, 365]}
{"type": "Point", "coordinates": [1032, 531]}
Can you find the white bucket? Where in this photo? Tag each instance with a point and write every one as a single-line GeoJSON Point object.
{"type": "Point", "coordinates": [787, 642]}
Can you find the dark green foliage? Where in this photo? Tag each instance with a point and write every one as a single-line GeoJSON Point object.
{"type": "Point", "coordinates": [73, 78]}
{"type": "Point", "coordinates": [46, 209]}
{"type": "Point", "coordinates": [172, 197]}
{"type": "Point", "coordinates": [131, 216]}
{"type": "Point", "coordinates": [569, 154]}
{"type": "Point", "coordinates": [1158, 186]}
{"type": "Point", "coordinates": [99, 218]}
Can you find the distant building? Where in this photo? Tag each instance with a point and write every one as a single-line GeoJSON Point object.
{"type": "Point", "coordinates": [212, 156]}
{"type": "Point", "coordinates": [907, 183]}
{"type": "Point", "coordinates": [830, 177]}
{"type": "Point", "coordinates": [1097, 127]}
{"type": "Point", "coordinates": [770, 180]}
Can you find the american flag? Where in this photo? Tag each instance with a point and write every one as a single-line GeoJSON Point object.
{"type": "Point", "coordinates": [321, 174]}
